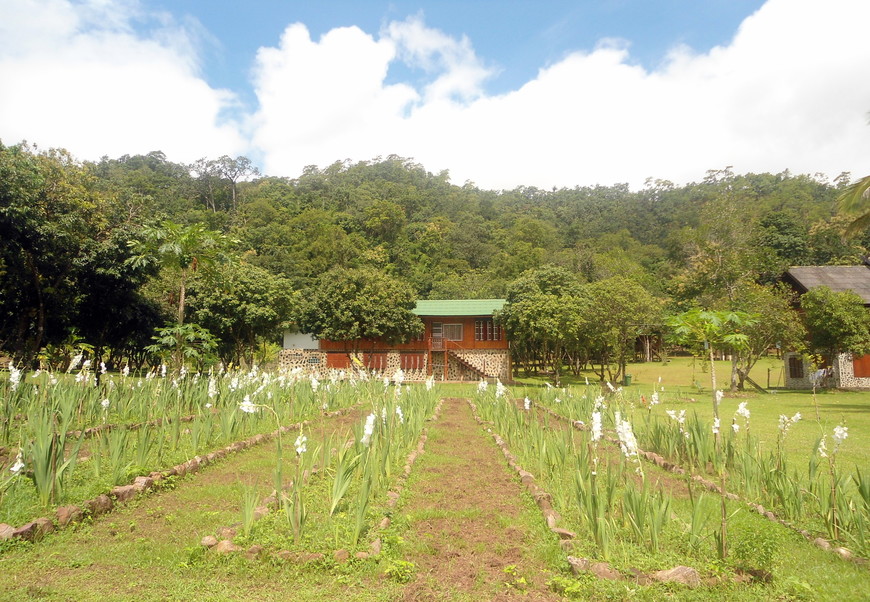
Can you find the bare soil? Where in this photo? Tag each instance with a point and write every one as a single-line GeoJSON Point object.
{"type": "Point", "coordinates": [470, 532]}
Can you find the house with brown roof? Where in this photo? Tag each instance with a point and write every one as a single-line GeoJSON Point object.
{"type": "Point", "coordinates": [844, 370]}
{"type": "Point", "coordinates": [461, 342]}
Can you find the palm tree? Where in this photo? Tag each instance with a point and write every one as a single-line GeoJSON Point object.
{"type": "Point", "coordinates": [855, 198]}
{"type": "Point", "coordinates": [178, 247]}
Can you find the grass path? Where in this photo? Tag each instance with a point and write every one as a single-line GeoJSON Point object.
{"type": "Point", "coordinates": [472, 532]}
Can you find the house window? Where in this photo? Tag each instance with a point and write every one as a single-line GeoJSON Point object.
{"type": "Point", "coordinates": [796, 366]}
{"type": "Point", "coordinates": [486, 330]}
{"type": "Point", "coordinates": [453, 332]}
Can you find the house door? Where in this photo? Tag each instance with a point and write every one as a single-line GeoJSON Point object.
{"type": "Point", "coordinates": [437, 335]}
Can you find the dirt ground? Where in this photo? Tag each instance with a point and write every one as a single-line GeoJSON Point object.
{"type": "Point", "coordinates": [468, 534]}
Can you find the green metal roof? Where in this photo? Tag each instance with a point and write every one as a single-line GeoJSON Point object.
{"type": "Point", "coordinates": [458, 307]}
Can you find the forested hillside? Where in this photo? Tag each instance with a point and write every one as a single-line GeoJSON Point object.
{"type": "Point", "coordinates": [73, 268]}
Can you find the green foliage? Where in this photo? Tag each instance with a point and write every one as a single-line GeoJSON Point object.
{"type": "Point", "coordinates": [755, 549]}
{"type": "Point", "coordinates": [241, 305]}
{"type": "Point", "coordinates": [350, 305]}
{"type": "Point", "coordinates": [401, 571]}
{"type": "Point", "coordinates": [836, 321]}
{"type": "Point", "coordinates": [184, 343]}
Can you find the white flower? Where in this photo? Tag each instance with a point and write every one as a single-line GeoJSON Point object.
{"type": "Point", "coordinates": [716, 426]}
{"type": "Point", "coordinates": [627, 441]}
{"type": "Point", "coordinates": [212, 387]}
{"type": "Point", "coordinates": [19, 463]}
{"type": "Point", "coordinates": [386, 381]}
{"type": "Point", "coordinates": [400, 415]}
{"type": "Point", "coordinates": [105, 404]}
{"type": "Point", "coordinates": [247, 406]}
{"type": "Point", "coordinates": [680, 418]}
{"type": "Point", "coordinates": [482, 386]}
{"type": "Point", "coordinates": [368, 429]}
{"type": "Point", "coordinates": [163, 370]}
{"type": "Point", "coordinates": [300, 444]}
{"type": "Point", "coordinates": [596, 426]}
{"type": "Point", "coordinates": [102, 367]}
{"type": "Point", "coordinates": [430, 382]}
{"type": "Point", "coordinates": [314, 383]}
{"type": "Point", "coordinates": [126, 371]}
{"type": "Point", "coordinates": [74, 363]}
{"type": "Point", "coordinates": [587, 380]}
{"type": "Point", "coordinates": [611, 387]}
{"type": "Point", "coordinates": [654, 399]}
{"type": "Point", "coordinates": [207, 405]}
{"type": "Point", "coordinates": [500, 389]}
{"type": "Point", "coordinates": [734, 426]}
{"type": "Point", "coordinates": [527, 403]}
{"type": "Point", "coordinates": [719, 396]}
{"type": "Point", "coordinates": [599, 403]}
{"type": "Point", "coordinates": [557, 400]}
{"type": "Point", "coordinates": [823, 449]}
{"type": "Point", "coordinates": [14, 376]}
{"type": "Point", "coordinates": [398, 376]}
{"type": "Point", "coordinates": [840, 434]}
{"type": "Point", "coordinates": [36, 374]}
{"type": "Point", "coordinates": [742, 410]}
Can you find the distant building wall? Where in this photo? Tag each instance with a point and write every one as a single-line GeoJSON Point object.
{"type": "Point", "coordinates": [799, 372]}
{"type": "Point", "coordinates": [297, 340]}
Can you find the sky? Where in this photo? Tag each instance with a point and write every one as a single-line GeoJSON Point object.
{"type": "Point", "coordinates": [501, 94]}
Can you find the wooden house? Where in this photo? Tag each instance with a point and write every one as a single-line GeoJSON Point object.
{"type": "Point", "coordinates": [461, 341]}
{"type": "Point", "coordinates": [844, 370]}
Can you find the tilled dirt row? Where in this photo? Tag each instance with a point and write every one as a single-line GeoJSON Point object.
{"type": "Point", "coordinates": [471, 531]}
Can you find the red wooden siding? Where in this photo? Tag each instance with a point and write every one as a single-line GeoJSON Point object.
{"type": "Point", "coordinates": [496, 337]}
{"type": "Point", "coordinates": [861, 365]}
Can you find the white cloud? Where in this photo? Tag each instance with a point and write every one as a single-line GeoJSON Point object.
{"type": "Point", "coordinates": [77, 75]}
{"type": "Point", "coordinates": [788, 92]}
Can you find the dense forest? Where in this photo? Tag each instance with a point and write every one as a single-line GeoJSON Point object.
{"type": "Point", "coordinates": [103, 255]}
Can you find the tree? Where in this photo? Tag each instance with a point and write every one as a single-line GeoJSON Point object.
{"type": "Point", "coordinates": [542, 317]}
{"type": "Point", "coordinates": [352, 305]}
{"type": "Point", "coordinates": [178, 248]}
{"type": "Point", "coordinates": [703, 330]}
{"type": "Point", "coordinates": [776, 323]}
{"type": "Point", "coordinates": [619, 310]}
{"type": "Point", "coordinates": [50, 215]}
{"type": "Point", "coordinates": [240, 304]}
{"type": "Point", "coordinates": [836, 322]}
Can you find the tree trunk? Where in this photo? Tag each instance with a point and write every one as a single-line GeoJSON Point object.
{"type": "Point", "coordinates": [734, 371]}
{"type": "Point", "coordinates": [181, 295]}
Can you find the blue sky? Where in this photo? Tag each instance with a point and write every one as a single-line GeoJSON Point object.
{"type": "Point", "coordinates": [516, 37]}
{"type": "Point", "coordinates": [499, 93]}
